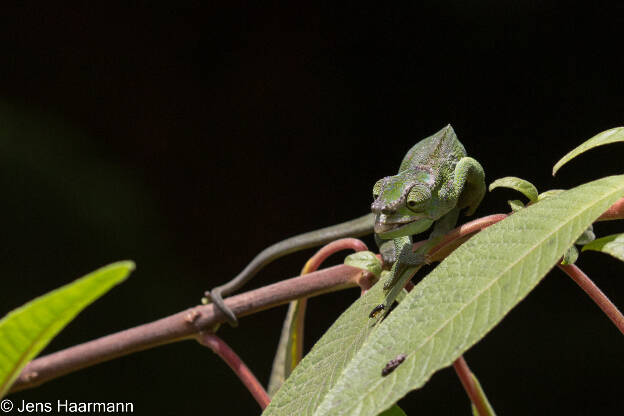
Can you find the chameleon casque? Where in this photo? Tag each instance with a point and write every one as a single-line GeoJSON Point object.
{"type": "Point", "coordinates": [435, 181]}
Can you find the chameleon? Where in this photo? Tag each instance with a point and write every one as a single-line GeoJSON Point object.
{"type": "Point", "coordinates": [435, 181]}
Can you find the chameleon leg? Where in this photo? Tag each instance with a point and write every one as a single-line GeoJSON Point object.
{"type": "Point", "coordinates": [408, 262]}
{"type": "Point", "coordinates": [387, 250]}
{"type": "Point", "coordinates": [405, 258]}
{"type": "Point", "coordinates": [445, 224]}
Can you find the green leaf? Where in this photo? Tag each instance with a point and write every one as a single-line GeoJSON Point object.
{"type": "Point", "coordinates": [393, 411]}
{"type": "Point", "coordinates": [445, 314]}
{"type": "Point", "coordinates": [606, 137]}
{"type": "Point", "coordinates": [611, 244]}
{"type": "Point", "coordinates": [286, 356]}
{"type": "Point", "coordinates": [26, 330]}
{"type": "Point", "coordinates": [520, 185]}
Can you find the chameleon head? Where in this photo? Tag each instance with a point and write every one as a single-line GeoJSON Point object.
{"type": "Point", "coordinates": [403, 203]}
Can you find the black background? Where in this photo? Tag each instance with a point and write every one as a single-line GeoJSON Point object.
{"type": "Point", "coordinates": [188, 139]}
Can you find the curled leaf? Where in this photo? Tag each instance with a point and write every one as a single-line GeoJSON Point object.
{"type": "Point", "coordinates": [525, 187]}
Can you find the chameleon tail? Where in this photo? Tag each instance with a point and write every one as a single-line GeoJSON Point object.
{"type": "Point", "coordinates": [355, 228]}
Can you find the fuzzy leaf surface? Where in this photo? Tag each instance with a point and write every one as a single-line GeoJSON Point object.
{"type": "Point", "coordinates": [25, 331]}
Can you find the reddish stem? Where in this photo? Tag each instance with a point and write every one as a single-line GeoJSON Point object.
{"type": "Point", "coordinates": [327, 250]}
{"type": "Point", "coordinates": [220, 347]}
{"type": "Point", "coordinates": [596, 294]}
{"type": "Point", "coordinates": [615, 211]}
{"type": "Point", "coordinates": [467, 379]}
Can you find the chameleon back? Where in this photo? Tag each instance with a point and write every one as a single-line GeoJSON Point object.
{"type": "Point", "coordinates": [435, 150]}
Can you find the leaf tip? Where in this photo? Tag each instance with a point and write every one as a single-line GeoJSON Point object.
{"type": "Point", "coordinates": [123, 267]}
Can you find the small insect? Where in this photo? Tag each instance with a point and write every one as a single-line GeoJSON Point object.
{"type": "Point", "coordinates": [393, 364]}
{"type": "Point", "coordinates": [376, 310]}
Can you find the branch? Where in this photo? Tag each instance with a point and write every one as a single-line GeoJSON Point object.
{"type": "Point", "coordinates": [467, 379]}
{"type": "Point", "coordinates": [219, 347]}
{"type": "Point", "coordinates": [596, 294]}
{"type": "Point", "coordinates": [183, 325]}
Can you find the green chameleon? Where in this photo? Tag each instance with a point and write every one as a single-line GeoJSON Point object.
{"type": "Point", "coordinates": [435, 181]}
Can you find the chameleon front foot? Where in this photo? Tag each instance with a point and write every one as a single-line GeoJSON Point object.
{"type": "Point", "coordinates": [215, 297]}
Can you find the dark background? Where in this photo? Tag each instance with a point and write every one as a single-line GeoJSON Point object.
{"type": "Point", "coordinates": [188, 139]}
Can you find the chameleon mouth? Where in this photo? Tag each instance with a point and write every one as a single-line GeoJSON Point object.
{"type": "Point", "coordinates": [381, 227]}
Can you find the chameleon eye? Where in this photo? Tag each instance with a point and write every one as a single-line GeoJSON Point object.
{"type": "Point", "coordinates": [417, 198]}
{"type": "Point", "coordinates": [377, 188]}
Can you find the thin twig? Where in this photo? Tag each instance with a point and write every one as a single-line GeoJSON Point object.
{"type": "Point", "coordinates": [219, 347]}
{"type": "Point", "coordinates": [467, 380]}
{"type": "Point", "coordinates": [595, 294]}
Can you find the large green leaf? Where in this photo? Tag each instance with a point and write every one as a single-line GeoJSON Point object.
{"type": "Point", "coordinates": [447, 312]}
{"type": "Point", "coordinates": [606, 137]}
{"type": "Point", "coordinates": [25, 331]}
